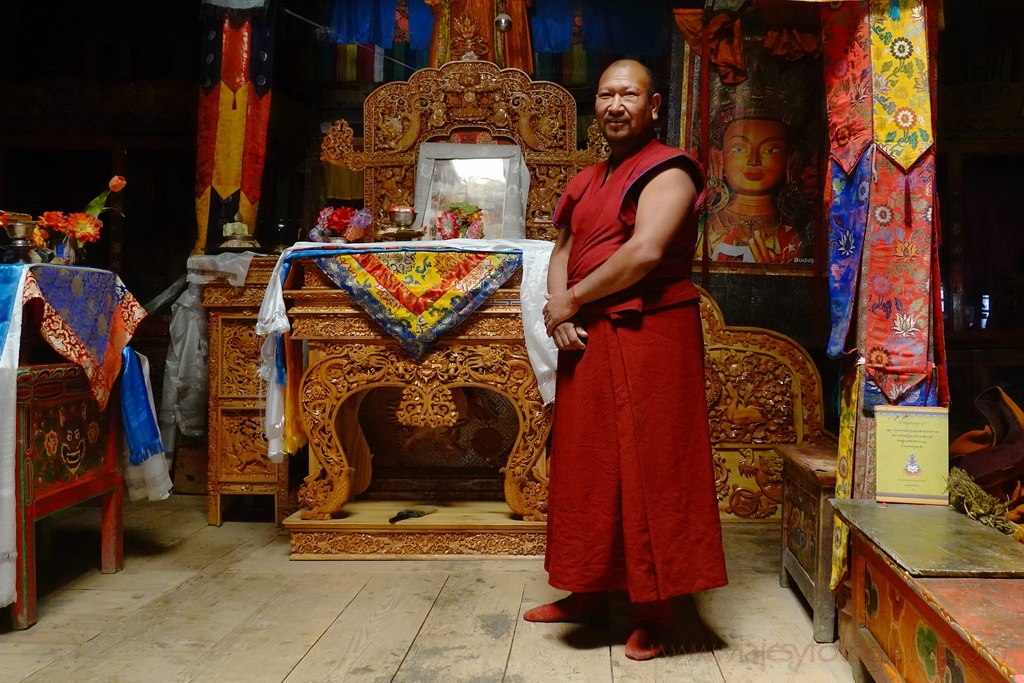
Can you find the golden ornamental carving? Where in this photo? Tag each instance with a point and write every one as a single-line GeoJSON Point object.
{"type": "Point", "coordinates": [467, 43]}
{"type": "Point", "coordinates": [223, 296]}
{"type": "Point", "coordinates": [243, 448]}
{"type": "Point", "coordinates": [427, 407]}
{"type": "Point", "coordinates": [436, 543]}
{"type": "Point", "coordinates": [762, 387]}
{"type": "Point", "coordinates": [239, 345]}
{"type": "Point", "coordinates": [344, 369]}
{"type": "Point", "coordinates": [463, 100]}
{"type": "Point", "coordinates": [336, 326]}
{"type": "Point", "coordinates": [765, 468]}
{"type": "Point", "coordinates": [722, 472]}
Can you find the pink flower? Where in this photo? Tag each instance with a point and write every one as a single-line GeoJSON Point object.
{"type": "Point", "coordinates": [475, 231]}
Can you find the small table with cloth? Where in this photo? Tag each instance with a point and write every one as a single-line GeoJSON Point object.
{"type": "Point", "coordinates": [59, 444]}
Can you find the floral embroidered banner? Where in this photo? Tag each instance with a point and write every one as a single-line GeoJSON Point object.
{"type": "Point", "coordinates": [847, 67]}
{"type": "Point", "coordinates": [844, 467]}
{"type": "Point", "coordinates": [417, 296]}
{"type": "Point", "coordinates": [900, 82]}
{"type": "Point", "coordinates": [847, 219]}
{"type": "Point", "coordinates": [896, 296]}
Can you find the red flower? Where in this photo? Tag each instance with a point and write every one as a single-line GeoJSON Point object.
{"type": "Point", "coordinates": [117, 183]}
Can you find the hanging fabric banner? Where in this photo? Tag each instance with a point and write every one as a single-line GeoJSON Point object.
{"type": "Point", "coordinates": [900, 82]}
{"type": "Point", "coordinates": [896, 296]}
{"type": "Point", "coordinates": [234, 113]}
{"type": "Point", "coordinates": [844, 467]}
{"type": "Point", "coordinates": [847, 71]}
{"type": "Point", "coordinates": [847, 219]}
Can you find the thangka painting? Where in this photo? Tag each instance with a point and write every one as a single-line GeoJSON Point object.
{"type": "Point", "coordinates": [760, 133]}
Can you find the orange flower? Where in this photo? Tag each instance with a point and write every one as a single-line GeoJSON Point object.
{"type": "Point", "coordinates": [53, 220]}
{"type": "Point", "coordinates": [83, 227]}
{"type": "Point", "coordinates": [117, 183]}
{"type": "Point", "coordinates": [40, 237]}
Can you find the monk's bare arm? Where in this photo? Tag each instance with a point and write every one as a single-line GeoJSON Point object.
{"type": "Point", "coordinates": [663, 206]}
{"type": "Point", "coordinates": [558, 263]}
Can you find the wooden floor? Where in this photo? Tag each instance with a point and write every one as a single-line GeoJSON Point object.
{"type": "Point", "coordinates": [202, 603]}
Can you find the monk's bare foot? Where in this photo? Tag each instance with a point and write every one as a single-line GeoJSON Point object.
{"type": "Point", "coordinates": [646, 642]}
{"type": "Point", "coordinates": [575, 608]}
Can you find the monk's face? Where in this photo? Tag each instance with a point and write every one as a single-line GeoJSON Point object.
{"type": "Point", "coordinates": [755, 153]}
{"type": "Point", "coordinates": [625, 108]}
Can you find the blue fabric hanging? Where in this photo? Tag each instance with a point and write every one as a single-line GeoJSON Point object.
{"type": "Point", "coordinates": [847, 220]}
{"type": "Point", "coordinates": [597, 36]}
{"type": "Point", "coordinates": [358, 21]}
{"type": "Point", "coordinates": [421, 25]}
{"type": "Point", "coordinates": [10, 277]}
{"type": "Point", "coordinates": [551, 25]}
{"type": "Point", "coordinates": [137, 416]}
{"type": "Point", "coordinates": [610, 26]}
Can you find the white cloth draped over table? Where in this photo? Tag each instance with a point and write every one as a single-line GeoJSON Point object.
{"type": "Point", "coordinates": [273, 318]}
{"type": "Point", "coordinates": [8, 440]}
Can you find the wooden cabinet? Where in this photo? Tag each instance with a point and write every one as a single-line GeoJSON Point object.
{"type": "Point", "coordinates": [238, 463]}
{"type": "Point", "coordinates": [808, 482]}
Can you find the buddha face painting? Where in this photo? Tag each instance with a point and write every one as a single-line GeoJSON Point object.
{"type": "Point", "coordinates": [755, 152]}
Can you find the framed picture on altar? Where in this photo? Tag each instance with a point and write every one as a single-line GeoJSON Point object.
{"type": "Point", "coordinates": [468, 190]}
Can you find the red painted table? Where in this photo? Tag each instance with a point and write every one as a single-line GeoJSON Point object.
{"type": "Point", "coordinates": [68, 436]}
{"type": "Point", "coordinates": [936, 596]}
{"type": "Point", "coordinates": [67, 453]}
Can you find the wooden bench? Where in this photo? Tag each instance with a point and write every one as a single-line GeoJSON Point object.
{"type": "Point", "coordinates": [808, 482]}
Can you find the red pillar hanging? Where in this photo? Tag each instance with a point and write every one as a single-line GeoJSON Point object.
{"type": "Point", "coordinates": [234, 111]}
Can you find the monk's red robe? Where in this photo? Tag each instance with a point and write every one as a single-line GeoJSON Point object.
{"type": "Point", "coordinates": [631, 498]}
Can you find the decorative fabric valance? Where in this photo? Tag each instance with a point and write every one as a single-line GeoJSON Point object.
{"type": "Point", "coordinates": [417, 296]}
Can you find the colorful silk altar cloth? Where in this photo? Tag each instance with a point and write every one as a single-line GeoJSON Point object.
{"type": "Point", "coordinates": [417, 296]}
{"type": "Point", "coordinates": [89, 316]}
{"type": "Point", "coordinates": [273, 317]}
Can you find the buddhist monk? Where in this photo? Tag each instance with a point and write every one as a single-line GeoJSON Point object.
{"type": "Point", "coordinates": [631, 501]}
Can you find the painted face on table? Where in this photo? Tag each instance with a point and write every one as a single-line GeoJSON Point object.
{"type": "Point", "coordinates": [625, 108]}
{"type": "Point", "coordinates": [755, 154]}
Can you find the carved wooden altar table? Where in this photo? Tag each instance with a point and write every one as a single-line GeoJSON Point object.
{"type": "Point", "coordinates": [349, 354]}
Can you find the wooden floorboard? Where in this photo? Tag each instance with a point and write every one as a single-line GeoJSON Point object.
{"type": "Point", "coordinates": [372, 635]}
{"type": "Point", "coordinates": [468, 633]}
{"type": "Point", "coordinates": [573, 653]}
{"type": "Point", "coordinates": [217, 604]}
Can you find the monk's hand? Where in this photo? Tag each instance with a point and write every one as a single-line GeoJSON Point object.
{"type": "Point", "coordinates": [570, 336]}
{"type": "Point", "coordinates": [558, 309]}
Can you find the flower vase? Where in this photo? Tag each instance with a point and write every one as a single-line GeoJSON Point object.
{"type": "Point", "coordinates": [68, 252]}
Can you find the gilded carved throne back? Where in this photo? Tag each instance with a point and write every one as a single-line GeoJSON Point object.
{"type": "Point", "coordinates": [469, 101]}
